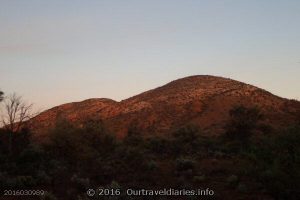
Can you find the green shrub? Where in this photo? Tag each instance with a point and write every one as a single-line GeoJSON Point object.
{"type": "Point", "coordinates": [184, 164]}
{"type": "Point", "coordinates": [199, 179]}
{"type": "Point", "coordinates": [232, 180]}
{"type": "Point", "coordinates": [243, 121]}
{"type": "Point", "coordinates": [242, 188]}
{"type": "Point", "coordinates": [157, 145]}
{"type": "Point", "coordinates": [277, 163]}
{"type": "Point", "coordinates": [43, 178]}
{"type": "Point", "coordinates": [186, 141]}
{"type": "Point", "coordinates": [152, 165]}
{"type": "Point", "coordinates": [30, 160]}
{"type": "Point", "coordinates": [19, 182]}
{"type": "Point", "coordinates": [80, 146]}
{"type": "Point", "coordinates": [81, 184]}
{"type": "Point", "coordinates": [25, 181]}
{"type": "Point", "coordinates": [114, 185]}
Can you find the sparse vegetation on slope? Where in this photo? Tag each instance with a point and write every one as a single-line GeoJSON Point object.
{"type": "Point", "coordinates": [217, 133]}
{"type": "Point", "coordinates": [204, 101]}
{"type": "Point", "coordinates": [78, 158]}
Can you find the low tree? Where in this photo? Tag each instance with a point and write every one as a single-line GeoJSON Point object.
{"type": "Point", "coordinates": [14, 116]}
{"type": "Point", "coordinates": [186, 140]}
{"type": "Point", "coordinates": [243, 122]}
{"type": "Point", "coordinates": [16, 113]}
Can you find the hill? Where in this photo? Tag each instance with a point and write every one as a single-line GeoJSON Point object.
{"type": "Point", "coordinates": [203, 101]}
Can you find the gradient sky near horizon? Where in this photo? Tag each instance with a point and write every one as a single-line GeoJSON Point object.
{"type": "Point", "coordinates": [60, 51]}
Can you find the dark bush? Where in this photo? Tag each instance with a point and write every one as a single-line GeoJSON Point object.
{"type": "Point", "coordinates": [186, 140]}
{"type": "Point", "coordinates": [277, 164]}
{"type": "Point", "coordinates": [243, 121]}
{"type": "Point", "coordinates": [184, 164]}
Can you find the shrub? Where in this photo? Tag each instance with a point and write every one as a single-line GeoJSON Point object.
{"type": "Point", "coordinates": [42, 177]}
{"type": "Point", "coordinates": [80, 183]}
{"type": "Point", "coordinates": [81, 146]}
{"type": "Point", "coordinates": [157, 145]}
{"type": "Point", "coordinates": [186, 140]}
{"type": "Point", "coordinates": [277, 163]}
{"type": "Point", "coordinates": [199, 179]}
{"type": "Point", "coordinates": [19, 182]}
{"type": "Point", "coordinates": [152, 165]}
{"type": "Point", "coordinates": [25, 181]}
{"type": "Point", "coordinates": [232, 180]}
{"type": "Point", "coordinates": [243, 121]}
{"type": "Point", "coordinates": [242, 188]}
{"type": "Point", "coordinates": [184, 164]}
{"type": "Point", "coordinates": [30, 160]}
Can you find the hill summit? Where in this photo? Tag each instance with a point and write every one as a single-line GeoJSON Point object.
{"type": "Point", "coordinates": [202, 100]}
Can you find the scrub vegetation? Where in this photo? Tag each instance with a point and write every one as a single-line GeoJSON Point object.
{"type": "Point", "coordinates": [246, 162]}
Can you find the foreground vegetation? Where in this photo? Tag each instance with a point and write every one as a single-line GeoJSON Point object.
{"type": "Point", "coordinates": [241, 164]}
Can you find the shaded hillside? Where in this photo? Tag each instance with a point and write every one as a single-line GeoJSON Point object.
{"type": "Point", "coordinates": [200, 100]}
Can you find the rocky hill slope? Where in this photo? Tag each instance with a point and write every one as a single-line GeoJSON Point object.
{"type": "Point", "coordinates": [200, 100]}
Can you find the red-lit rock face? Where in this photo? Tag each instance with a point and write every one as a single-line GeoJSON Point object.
{"type": "Point", "coordinates": [200, 100]}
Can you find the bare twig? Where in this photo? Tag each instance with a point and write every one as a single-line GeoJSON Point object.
{"type": "Point", "coordinates": [16, 113]}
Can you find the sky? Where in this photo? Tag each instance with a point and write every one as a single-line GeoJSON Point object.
{"type": "Point", "coordinates": [59, 51]}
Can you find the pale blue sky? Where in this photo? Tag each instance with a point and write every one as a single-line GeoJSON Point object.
{"type": "Point", "coordinates": [58, 51]}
